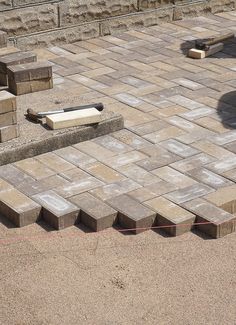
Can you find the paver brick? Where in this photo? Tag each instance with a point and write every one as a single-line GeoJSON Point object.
{"type": "Point", "coordinates": [169, 214]}
{"type": "Point", "coordinates": [57, 211]}
{"type": "Point", "coordinates": [4, 185]}
{"type": "Point", "coordinates": [76, 187]}
{"type": "Point", "coordinates": [188, 193]}
{"type": "Point", "coordinates": [74, 156]}
{"type": "Point", "coordinates": [7, 102]}
{"type": "Point", "coordinates": [138, 174]}
{"type": "Point", "coordinates": [55, 162]}
{"type": "Point", "coordinates": [164, 134]}
{"type": "Point", "coordinates": [9, 132]}
{"type": "Point", "coordinates": [130, 139]}
{"type": "Point", "coordinates": [113, 144]}
{"type": "Point", "coordinates": [104, 173]}
{"type": "Point", "coordinates": [179, 148]}
{"type": "Point", "coordinates": [156, 162]}
{"type": "Point", "coordinates": [124, 159]}
{"type": "Point", "coordinates": [218, 223]}
{"type": "Point", "coordinates": [151, 191]}
{"type": "Point", "coordinates": [34, 168]}
{"type": "Point", "coordinates": [7, 119]}
{"type": "Point", "coordinates": [223, 165]}
{"type": "Point", "coordinates": [131, 214]}
{"type": "Point", "coordinates": [225, 198]}
{"type": "Point", "coordinates": [207, 177]}
{"type": "Point", "coordinates": [18, 208]}
{"type": "Point", "coordinates": [111, 190]}
{"type": "Point", "coordinates": [94, 213]}
{"type": "Point", "coordinates": [21, 88]}
{"type": "Point", "coordinates": [12, 59]}
{"type": "Point", "coordinates": [13, 175]}
{"type": "Point", "coordinates": [173, 176]}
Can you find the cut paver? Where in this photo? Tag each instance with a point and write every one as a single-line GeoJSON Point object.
{"type": "Point", "coordinates": [219, 223]}
{"type": "Point", "coordinates": [131, 214]}
{"type": "Point", "coordinates": [225, 198]}
{"type": "Point", "coordinates": [57, 211]}
{"type": "Point", "coordinates": [168, 214]}
{"type": "Point", "coordinates": [94, 213]}
{"type": "Point", "coordinates": [18, 208]}
{"type": "Point", "coordinates": [189, 193]}
{"type": "Point", "coordinates": [55, 162]}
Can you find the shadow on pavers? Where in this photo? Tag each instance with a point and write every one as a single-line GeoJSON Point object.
{"type": "Point", "coordinates": [226, 110]}
{"type": "Point", "coordinates": [229, 50]}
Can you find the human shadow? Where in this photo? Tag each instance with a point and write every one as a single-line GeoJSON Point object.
{"type": "Point", "coordinates": [229, 50]}
{"type": "Point", "coordinates": [226, 110]}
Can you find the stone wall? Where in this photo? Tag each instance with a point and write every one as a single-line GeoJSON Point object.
{"type": "Point", "coordinates": [37, 23]}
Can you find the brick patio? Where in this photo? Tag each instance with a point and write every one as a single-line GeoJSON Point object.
{"type": "Point", "coordinates": [174, 164]}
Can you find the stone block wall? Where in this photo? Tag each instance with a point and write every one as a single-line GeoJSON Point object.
{"type": "Point", "coordinates": [37, 23]}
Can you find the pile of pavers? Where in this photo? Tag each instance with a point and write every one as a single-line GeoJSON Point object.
{"type": "Point", "coordinates": [8, 117]}
{"type": "Point", "coordinates": [22, 74]}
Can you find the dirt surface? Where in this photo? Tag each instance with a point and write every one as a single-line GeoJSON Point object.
{"type": "Point", "coordinates": [74, 277]}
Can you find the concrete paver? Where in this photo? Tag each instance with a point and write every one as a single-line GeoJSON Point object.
{"type": "Point", "coordinates": [178, 144]}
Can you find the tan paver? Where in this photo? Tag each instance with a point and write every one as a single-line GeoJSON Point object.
{"type": "Point", "coordinates": [169, 214]}
{"type": "Point", "coordinates": [18, 208]}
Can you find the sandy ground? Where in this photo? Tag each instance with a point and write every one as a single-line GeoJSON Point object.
{"type": "Point", "coordinates": [75, 277]}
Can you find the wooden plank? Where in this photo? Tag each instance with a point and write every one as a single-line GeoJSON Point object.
{"type": "Point", "coordinates": [74, 118]}
{"type": "Point", "coordinates": [199, 54]}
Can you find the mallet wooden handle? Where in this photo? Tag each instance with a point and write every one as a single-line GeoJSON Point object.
{"type": "Point", "coordinates": [204, 45]}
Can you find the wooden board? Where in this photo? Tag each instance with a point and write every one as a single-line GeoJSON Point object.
{"type": "Point", "coordinates": [74, 118]}
{"type": "Point", "coordinates": [199, 54]}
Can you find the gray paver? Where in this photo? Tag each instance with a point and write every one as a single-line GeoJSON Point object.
{"type": "Point", "coordinates": [131, 214]}
{"type": "Point", "coordinates": [189, 193]}
{"type": "Point", "coordinates": [57, 211]}
{"type": "Point", "coordinates": [179, 148]}
{"type": "Point", "coordinates": [207, 177]}
{"type": "Point", "coordinates": [94, 213]}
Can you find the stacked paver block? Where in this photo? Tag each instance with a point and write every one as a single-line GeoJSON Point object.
{"type": "Point", "coordinates": [14, 59]}
{"type": "Point", "coordinates": [3, 39]}
{"type": "Point", "coordinates": [8, 118]}
{"type": "Point", "coordinates": [30, 77]}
